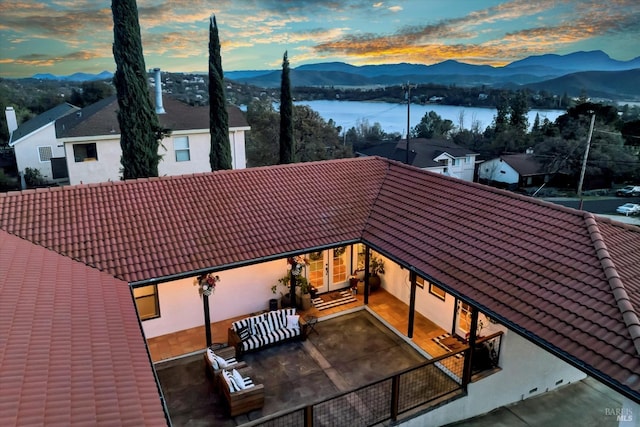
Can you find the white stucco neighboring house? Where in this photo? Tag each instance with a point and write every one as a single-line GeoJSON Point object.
{"type": "Point", "coordinates": [34, 141]}
{"type": "Point", "coordinates": [91, 140]}
{"type": "Point", "coordinates": [435, 155]}
{"type": "Point", "coordinates": [513, 171]}
{"type": "Point", "coordinates": [86, 142]}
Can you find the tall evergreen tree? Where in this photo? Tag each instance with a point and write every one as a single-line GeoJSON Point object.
{"type": "Point", "coordinates": [140, 131]}
{"type": "Point", "coordinates": [220, 153]}
{"type": "Point", "coordinates": [287, 144]}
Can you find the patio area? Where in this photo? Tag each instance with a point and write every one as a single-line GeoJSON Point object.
{"type": "Point", "coordinates": [348, 351]}
{"type": "Point", "coordinates": [385, 305]}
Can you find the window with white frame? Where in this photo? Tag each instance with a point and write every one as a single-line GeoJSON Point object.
{"type": "Point", "coordinates": [181, 147]}
{"type": "Point", "coordinates": [45, 153]}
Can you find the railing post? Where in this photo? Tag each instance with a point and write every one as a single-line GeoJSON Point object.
{"type": "Point", "coordinates": [395, 396]}
{"type": "Point", "coordinates": [308, 416]}
{"type": "Point", "coordinates": [468, 359]}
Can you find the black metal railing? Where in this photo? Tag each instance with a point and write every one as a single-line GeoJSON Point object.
{"type": "Point", "coordinates": [388, 398]}
{"type": "Point", "coordinates": [487, 353]}
{"type": "Point", "coordinates": [382, 400]}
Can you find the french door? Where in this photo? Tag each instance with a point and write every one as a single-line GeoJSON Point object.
{"type": "Point", "coordinates": [329, 270]}
{"type": "Point", "coordinates": [463, 319]}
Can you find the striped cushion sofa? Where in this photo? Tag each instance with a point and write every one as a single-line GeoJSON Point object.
{"type": "Point", "coordinates": [255, 332]}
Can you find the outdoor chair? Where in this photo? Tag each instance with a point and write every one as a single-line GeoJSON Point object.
{"type": "Point", "coordinates": [241, 394]}
{"type": "Point", "coordinates": [216, 361]}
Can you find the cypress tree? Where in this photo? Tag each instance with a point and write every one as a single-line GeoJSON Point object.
{"type": "Point", "coordinates": [140, 130]}
{"type": "Point", "coordinates": [287, 144]}
{"type": "Point", "coordinates": [220, 153]}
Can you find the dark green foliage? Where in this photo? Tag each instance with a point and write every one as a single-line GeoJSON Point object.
{"type": "Point", "coordinates": [220, 153]}
{"type": "Point", "coordinates": [33, 178]}
{"type": "Point", "coordinates": [90, 93]}
{"type": "Point", "coordinates": [287, 144]}
{"type": "Point", "coordinates": [139, 126]}
{"type": "Point", "coordinates": [432, 126]}
{"type": "Point", "coordinates": [317, 139]}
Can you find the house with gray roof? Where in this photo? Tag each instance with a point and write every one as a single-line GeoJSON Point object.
{"type": "Point", "coordinates": [561, 287]}
{"type": "Point", "coordinates": [74, 146]}
{"type": "Point", "coordinates": [435, 155]}
{"type": "Point", "coordinates": [34, 141]}
{"type": "Point", "coordinates": [513, 171]}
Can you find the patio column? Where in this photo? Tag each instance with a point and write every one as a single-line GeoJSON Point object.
{"type": "Point", "coordinates": [412, 303]}
{"type": "Point", "coordinates": [367, 255]}
{"type": "Point", "coordinates": [292, 291]}
{"type": "Point", "coordinates": [207, 319]}
{"type": "Point", "coordinates": [468, 360]}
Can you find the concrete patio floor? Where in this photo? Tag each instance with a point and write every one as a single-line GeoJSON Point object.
{"type": "Point", "coordinates": [346, 352]}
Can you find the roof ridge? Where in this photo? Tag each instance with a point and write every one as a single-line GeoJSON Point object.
{"type": "Point", "coordinates": [623, 301]}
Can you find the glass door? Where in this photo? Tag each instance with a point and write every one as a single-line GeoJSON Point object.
{"type": "Point", "coordinates": [463, 319]}
{"type": "Point", "coordinates": [329, 270]}
{"type": "Point", "coordinates": [318, 266]}
{"type": "Point", "coordinates": [339, 268]}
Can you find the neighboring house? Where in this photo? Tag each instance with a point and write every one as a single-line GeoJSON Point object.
{"type": "Point", "coordinates": [513, 171]}
{"type": "Point", "coordinates": [435, 155]}
{"type": "Point", "coordinates": [561, 285]}
{"type": "Point", "coordinates": [89, 142]}
{"type": "Point", "coordinates": [34, 141]}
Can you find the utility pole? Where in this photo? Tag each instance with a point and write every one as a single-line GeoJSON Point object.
{"type": "Point", "coordinates": [407, 93]}
{"type": "Point", "coordinates": [586, 155]}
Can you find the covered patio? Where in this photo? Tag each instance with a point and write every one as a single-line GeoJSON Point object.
{"type": "Point", "coordinates": [348, 351]}
{"type": "Point", "coordinates": [393, 311]}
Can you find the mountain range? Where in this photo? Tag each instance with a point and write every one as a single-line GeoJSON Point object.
{"type": "Point", "coordinates": [593, 73]}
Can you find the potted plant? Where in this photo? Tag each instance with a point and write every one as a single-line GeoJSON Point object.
{"type": "Point", "coordinates": [304, 296]}
{"type": "Point", "coordinates": [376, 268]}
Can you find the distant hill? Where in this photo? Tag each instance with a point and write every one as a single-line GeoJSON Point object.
{"type": "Point", "coordinates": [573, 74]}
{"type": "Point", "coordinates": [76, 77]}
{"type": "Point", "coordinates": [530, 72]}
{"type": "Point", "coordinates": [596, 84]}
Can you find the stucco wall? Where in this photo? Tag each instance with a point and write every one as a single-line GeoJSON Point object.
{"type": "Point", "coordinates": [26, 150]}
{"type": "Point", "coordinates": [239, 292]}
{"type": "Point", "coordinates": [108, 166]}
{"type": "Point", "coordinates": [493, 170]}
{"type": "Point", "coordinates": [396, 282]}
{"type": "Point", "coordinates": [527, 371]}
{"type": "Point", "coordinates": [105, 168]}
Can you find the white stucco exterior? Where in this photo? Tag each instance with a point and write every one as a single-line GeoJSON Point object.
{"type": "Point", "coordinates": [499, 171]}
{"type": "Point", "coordinates": [457, 167]}
{"type": "Point", "coordinates": [526, 371]}
{"type": "Point", "coordinates": [239, 292]}
{"type": "Point", "coordinates": [27, 150]}
{"type": "Point", "coordinates": [107, 167]}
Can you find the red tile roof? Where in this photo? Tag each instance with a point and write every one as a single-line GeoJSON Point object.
{"type": "Point", "coordinates": [71, 347]}
{"type": "Point", "coordinates": [559, 276]}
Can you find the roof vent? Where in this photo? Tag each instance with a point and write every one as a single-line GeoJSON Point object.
{"type": "Point", "coordinates": [159, 107]}
{"type": "Point", "coordinates": [78, 114]}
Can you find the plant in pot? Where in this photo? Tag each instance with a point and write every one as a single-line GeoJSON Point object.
{"type": "Point", "coordinates": [376, 268]}
{"type": "Point", "coordinates": [304, 295]}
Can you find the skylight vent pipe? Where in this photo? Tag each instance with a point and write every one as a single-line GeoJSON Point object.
{"type": "Point", "coordinates": [159, 107]}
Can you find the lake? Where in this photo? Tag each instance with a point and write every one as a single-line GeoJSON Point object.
{"type": "Point", "coordinates": [393, 117]}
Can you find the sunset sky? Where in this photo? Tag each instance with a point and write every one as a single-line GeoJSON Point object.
{"type": "Point", "coordinates": [65, 36]}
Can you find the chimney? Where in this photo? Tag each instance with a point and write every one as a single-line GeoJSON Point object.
{"type": "Point", "coordinates": [159, 107]}
{"type": "Point", "coordinates": [12, 122]}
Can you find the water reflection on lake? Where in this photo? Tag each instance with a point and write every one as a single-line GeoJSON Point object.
{"type": "Point", "coordinates": [393, 117]}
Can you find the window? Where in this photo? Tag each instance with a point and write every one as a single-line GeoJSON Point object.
{"type": "Point", "coordinates": [45, 153]}
{"type": "Point", "coordinates": [455, 162]}
{"type": "Point", "coordinates": [147, 302]}
{"type": "Point", "coordinates": [181, 147]}
{"type": "Point", "coordinates": [420, 282]}
{"type": "Point", "coordinates": [435, 290]}
{"type": "Point", "coordinates": [85, 152]}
